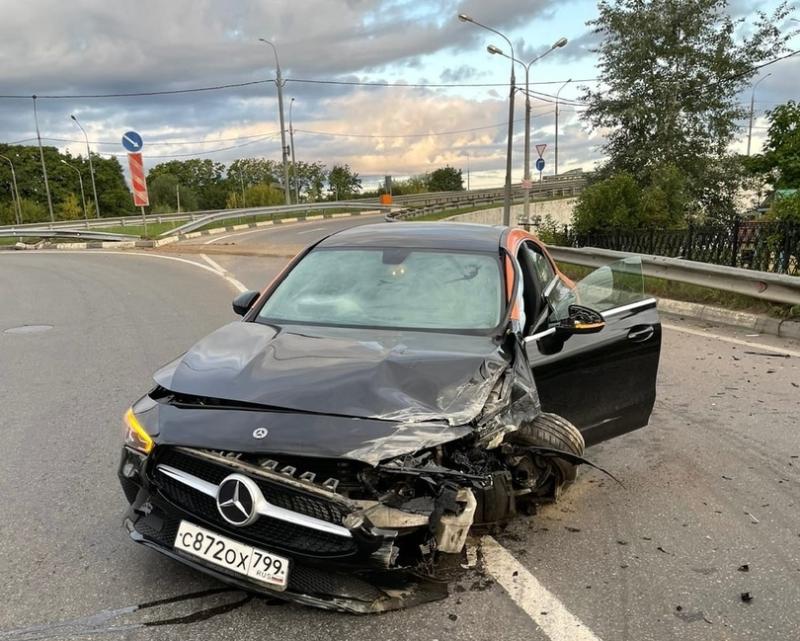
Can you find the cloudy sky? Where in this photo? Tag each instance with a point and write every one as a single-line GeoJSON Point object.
{"type": "Point", "coordinates": [53, 47]}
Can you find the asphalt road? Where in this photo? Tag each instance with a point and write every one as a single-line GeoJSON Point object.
{"type": "Point", "coordinates": [711, 485]}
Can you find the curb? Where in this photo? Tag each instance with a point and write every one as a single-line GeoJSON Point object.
{"type": "Point", "coordinates": [758, 323]}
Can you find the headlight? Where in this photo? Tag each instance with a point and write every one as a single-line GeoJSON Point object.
{"type": "Point", "coordinates": [136, 436]}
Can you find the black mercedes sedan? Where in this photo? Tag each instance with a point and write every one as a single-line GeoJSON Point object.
{"type": "Point", "coordinates": [394, 387]}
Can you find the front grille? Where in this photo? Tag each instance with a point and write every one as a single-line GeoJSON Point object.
{"type": "Point", "coordinates": [303, 579]}
{"type": "Point", "coordinates": [272, 533]}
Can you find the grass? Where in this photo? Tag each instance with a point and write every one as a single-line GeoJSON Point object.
{"type": "Point", "coordinates": [662, 288]}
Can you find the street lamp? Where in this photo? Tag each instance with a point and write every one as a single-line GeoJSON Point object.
{"type": "Point", "coordinates": [279, 84]}
{"type": "Point", "coordinates": [527, 176]}
{"type": "Point", "coordinates": [91, 165]}
{"type": "Point", "coordinates": [752, 105]}
{"type": "Point", "coordinates": [557, 94]}
{"type": "Point", "coordinates": [15, 192]}
{"type": "Point", "coordinates": [507, 196]}
{"type": "Point", "coordinates": [41, 157]}
{"type": "Point", "coordinates": [83, 197]}
{"type": "Point", "coordinates": [291, 143]}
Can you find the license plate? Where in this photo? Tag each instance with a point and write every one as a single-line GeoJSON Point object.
{"type": "Point", "coordinates": [260, 565]}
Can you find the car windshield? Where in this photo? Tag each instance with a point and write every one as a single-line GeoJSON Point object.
{"type": "Point", "coordinates": [391, 288]}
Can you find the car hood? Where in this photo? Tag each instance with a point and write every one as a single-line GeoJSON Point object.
{"type": "Point", "coordinates": [405, 377]}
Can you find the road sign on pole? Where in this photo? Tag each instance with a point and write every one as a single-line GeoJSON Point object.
{"type": "Point", "coordinates": [540, 149]}
{"type": "Point", "coordinates": [540, 165]}
{"type": "Point", "coordinates": [132, 141]}
{"type": "Point", "coordinates": [138, 182]}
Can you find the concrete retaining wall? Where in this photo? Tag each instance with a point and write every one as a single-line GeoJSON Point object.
{"type": "Point", "coordinates": [559, 210]}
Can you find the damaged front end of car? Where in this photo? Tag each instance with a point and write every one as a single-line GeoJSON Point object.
{"type": "Point", "coordinates": [373, 516]}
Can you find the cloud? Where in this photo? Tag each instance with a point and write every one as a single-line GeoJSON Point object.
{"type": "Point", "coordinates": [459, 74]}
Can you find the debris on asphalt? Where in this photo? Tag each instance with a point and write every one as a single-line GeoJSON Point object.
{"type": "Point", "coordinates": [746, 597]}
{"type": "Point", "coordinates": [621, 542]}
{"type": "Point", "coordinates": [472, 557]}
{"type": "Point", "coordinates": [728, 478]}
{"type": "Point", "coordinates": [660, 549]}
{"type": "Point", "coordinates": [745, 567]}
{"type": "Point", "coordinates": [569, 528]}
{"type": "Point", "coordinates": [771, 355]}
{"type": "Point", "coordinates": [795, 384]}
{"type": "Point", "coordinates": [691, 617]}
{"type": "Point", "coordinates": [452, 617]}
{"type": "Point", "coordinates": [753, 518]}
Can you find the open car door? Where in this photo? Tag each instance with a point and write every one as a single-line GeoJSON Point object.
{"type": "Point", "coordinates": [604, 382]}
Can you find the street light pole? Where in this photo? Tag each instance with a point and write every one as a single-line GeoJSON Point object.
{"type": "Point", "coordinates": [83, 196]}
{"type": "Point", "coordinates": [44, 167]}
{"type": "Point", "coordinates": [752, 105]}
{"type": "Point", "coordinates": [557, 94]}
{"type": "Point", "coordinates": [291, 143]}
{"type": "Point", "coordinates": [284, 155]}
{"type": "Point", "coordinates": [91, 165]}
{"type": "Point", "coordinates": [527, 66]}
{"type": "Point", "coordinates": [241, 180]}
{"type": "Point", "coordinates": [510, 142]}
{"type": "Point", "coordinates": [15, 193]}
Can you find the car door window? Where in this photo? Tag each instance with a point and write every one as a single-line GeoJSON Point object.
{"type": "Point", "coordinates": [537, 274]}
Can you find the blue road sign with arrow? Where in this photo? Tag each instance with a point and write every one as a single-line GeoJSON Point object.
{"type": "Point", "coordinates": [540, 164]}
{"type": "Point", "coordinates": [132, 141]}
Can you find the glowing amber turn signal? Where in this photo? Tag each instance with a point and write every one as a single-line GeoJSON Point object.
{"type": "Point", "coordinates": [135, 435]}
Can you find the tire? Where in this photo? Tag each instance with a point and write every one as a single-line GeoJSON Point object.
{"type": "Point", "coordinates": [553, 431]}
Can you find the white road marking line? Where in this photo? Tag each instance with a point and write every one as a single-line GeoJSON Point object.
{"type": "Point", "coordinates": [729, 339]}
{"type": "Point", "coordinates": [214, 240]}
{"type": "Point", "coordinates": [278, 226]}
{"type": "Point", "coordinates": [309, 231]}
{"type": "Point", "coordinates": [217, 272]}
{"type": "Point", "coordinates": [531, 596]}
{"type": "Point", "coordinates": [224, 273]}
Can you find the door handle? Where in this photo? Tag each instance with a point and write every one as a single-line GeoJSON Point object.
{"type": "Point", "coordinates": [641, 334]}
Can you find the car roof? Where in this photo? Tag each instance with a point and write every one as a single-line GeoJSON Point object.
{"type": "Point", "coordinates": [457, 236]}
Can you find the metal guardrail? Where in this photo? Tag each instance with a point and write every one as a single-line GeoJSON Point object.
{"type": "Point", "coordinates": [778, 288]}
{"type": "Point", "coordinates": [264, 211]}
{"type": "Point", "coordinates": [549, 184]}
{"type": "Point", "coordinates": [29, 232]}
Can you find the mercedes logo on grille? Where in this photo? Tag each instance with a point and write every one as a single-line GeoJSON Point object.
{"type": "Point", "coordinates": [236, 500]}
{"type": "Point", "coordinates": [260, 432]}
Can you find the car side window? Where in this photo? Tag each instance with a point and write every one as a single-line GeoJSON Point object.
{"type": "Point", "coordinates": [537, 273]}
{"type": "Point", "coordinates": [544, 269]}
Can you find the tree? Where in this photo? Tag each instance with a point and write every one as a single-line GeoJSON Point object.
{"type": "Point", "coordinates": [611, 203]}
{"type": "Point", "coordinates": [343, 182]}
{"type": "Point", "coordinates": [445, 179]}
{"type": "Point", "coordinates": [781, 156]}
{"type": "Point", "coordinates": [163, 191]}
{"type": "Point", "coordinates": [264, 195]}
{"type": "Point", "coordinates": [671, 73]}
{"type": "Point", "coordinates": [71, 208]}
{"type": "Point", "coordinates": [619, 202]}
{"type": "Point", "coordinates": [203, 177]}
{"type": "Point", "coordinates": [252, 171]}
{"type": "Point", "coordinates": [310, 177]}
{"type": "Point", "coordinates": [785, 209]}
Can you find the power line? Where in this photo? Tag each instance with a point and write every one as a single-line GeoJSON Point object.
{"type": "Point", "coordinates": [163, 142]}
{"type": "Point", "coordinates": [237, 85]}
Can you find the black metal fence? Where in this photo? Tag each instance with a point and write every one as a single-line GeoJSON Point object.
{"type": "Point", "coordinates": [764, 246]}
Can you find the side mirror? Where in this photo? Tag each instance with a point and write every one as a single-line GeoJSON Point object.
{"type": "Point", "coordinates": [581, 320]}
{"type": "Point", "coordinates": [244, 301]}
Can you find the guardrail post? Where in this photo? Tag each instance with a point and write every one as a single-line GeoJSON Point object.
{"type": "Point", "coordinates": [689, 241]}
{"type": "Point", "coordinates": [735, 241]}
{"type": "Point", "coordinates": [787, 247]}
